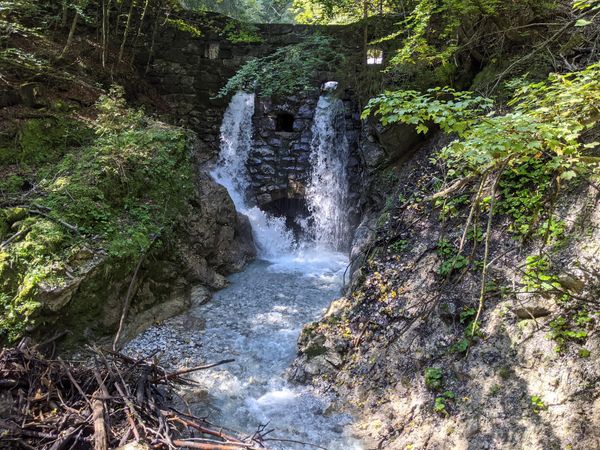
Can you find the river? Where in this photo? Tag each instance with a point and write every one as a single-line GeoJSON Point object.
{"type": "Point", "coordinates": [257, 319]}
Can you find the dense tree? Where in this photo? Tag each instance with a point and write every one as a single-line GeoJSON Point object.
{"type": "Point", "coordinates": [263, 11]}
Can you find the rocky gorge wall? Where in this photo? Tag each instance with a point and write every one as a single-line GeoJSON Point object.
{"type": "Point", "coordinates": [393, 347]}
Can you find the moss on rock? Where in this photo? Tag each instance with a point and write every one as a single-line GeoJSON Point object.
{"type": "Point", "coordinates": [104, 195]}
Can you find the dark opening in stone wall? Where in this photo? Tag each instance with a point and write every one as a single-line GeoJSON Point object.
{"type": "Point", "coordinates": [284, 122]}
{"type": "Point", "coordinates": [294, 210]}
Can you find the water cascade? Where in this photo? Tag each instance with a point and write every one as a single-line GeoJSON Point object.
{"type": "Point", "coordinates": [270, 233]}
{"type": "Point", "coordinates": [258, 318]}
{"type": "Point", "coordinates": [327, 191]}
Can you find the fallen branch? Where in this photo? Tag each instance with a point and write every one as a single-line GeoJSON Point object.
{"type": "Point", "coordinates": [101, 404]}
{"type": "Point", "coordinates": [37, 212]}
{"type": "Point", "coordinates": [207, 446]}
{"type": "Point", "coordinates": [130, 292]}
{"type": "Point", "coordinates": [14, 237]}
{"type": "Point", "coordinates": [458, 184]}
{"type": "Point", "coordinates": [196, 369]}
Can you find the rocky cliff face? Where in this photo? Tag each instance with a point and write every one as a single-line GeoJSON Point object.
{"type": "Point", "coordinates": [211, 241]}
{"type": "Point", "coordinates": [394, 346]}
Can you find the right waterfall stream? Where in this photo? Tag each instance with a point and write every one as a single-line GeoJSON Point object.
{"type": "Point", "coordinates": [257, 319]}
{"type": "Point", "coordinates": [327, 191]}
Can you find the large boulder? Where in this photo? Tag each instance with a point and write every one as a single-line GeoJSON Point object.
{"type": "Point", "coordinates": [385, 145]}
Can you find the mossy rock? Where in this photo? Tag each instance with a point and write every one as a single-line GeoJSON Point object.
{"type": "Point", "coordinates": [315, 350]}
{"type": "Point", "coordinates": [44, 140]}
{"type": "Point", "coordinates": [12, 215]}
{"type": "Point", "coordinates": [13, 184]}
{"type": "Point", "coordinates": [8, 217]}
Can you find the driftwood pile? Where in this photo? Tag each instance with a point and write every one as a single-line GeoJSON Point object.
{"type": "Point", "coordinates": [109, 401]}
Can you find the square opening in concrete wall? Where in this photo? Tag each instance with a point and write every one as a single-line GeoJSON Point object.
{"type": "Point", "coordinates": [374, 56]}
{"type": "Point", "coordinates": [284, 122]}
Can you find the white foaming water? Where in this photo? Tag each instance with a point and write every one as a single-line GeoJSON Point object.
{"type": "Point", "coordinates": [327, 191]}
{"type": "Point", "coordinates": [257, 319]}
{"type": "Point", "coordinates": [326, 194]}
{"type": "Point", "coordinates": [270, 233]}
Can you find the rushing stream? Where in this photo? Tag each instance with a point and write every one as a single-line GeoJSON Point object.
{"type": "Point", "coordinates": [257, 319]}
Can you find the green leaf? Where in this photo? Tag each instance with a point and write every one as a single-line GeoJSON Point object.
{"type": "Point", "coordinates": [568, 175]}
{"type": "Point", "coordinates": [583, 23]}
{"type": "Point", "coordinates": [422, 128]}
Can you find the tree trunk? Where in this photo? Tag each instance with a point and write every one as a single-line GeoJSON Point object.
{"type": "Point", "coordinates": [103, 33]}
{"type": "Point", "coordinates": [126, 32]}
{"type": "Point", "coordinates": [105, 29]}
{"type": "Point", "coordinates": [154, 31]}
{"type": "Point", "coordinates": [65, 10]}
{"type": "Point", "coordinates": [118, 17]}
{"type": "Point", "coordinates": [71, 34]}
{"type": "Point", "coordinates": [139, 30]}
{"type": "Point", "coordinates": [365, 29]}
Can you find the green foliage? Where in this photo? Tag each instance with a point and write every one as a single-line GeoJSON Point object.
{"type": "Point", "coordinates": [450, 207]}
{"type": "Point", "coordinates": [122, 186]}
{"type": "Point", "coordinates": [569, 328]}
{"type": "Point", "coordinates": [239, 32]}
{"type": "Point", "coordinates": [451, 260]}
{"type": "Point", "coordinates": [571, 325]}
{"type": "Point", "coordinates": [453, 111]}
{"type": "Point", "coordinates": [505, 372]}
{"type": "Point", "coordinates": [584, 353]}
{"type": "Point", "coordinates": [287, 70]}
{"type": "Point", "coordinates": [45, 140]}
{"type": "Point", "coordinates": [398, 246]}
{"type": "Point", "coordinates": [187, 27]}
{"type": "Point", "coordinates": [434, 378]}
{"type": "Point", "coordinates": [548, 120]}
{"type": "Point", "coordinates": [441, 402]}
{"type": "Point", "coordinates": [111, 177]}
{"type": "Point", "coordinates": [467, 316]}
{"type": "Point", "coordinates": [417, 44]}
{"type": "Point", "coordinates": [537, 404]}
{"type": "Point", "coordinates": [524, 190]}
{"type": "Point", "coordinates": [587, 5]}
{"type": "Point", "coordinates": [254, 11]}
{"type": "Point", "coordinates": [436, 31]}
{"type": "Point", "coordinates": [495, 390]}
{"type": "Point", "coordinates": [537, 276]}
{"type": "Point", "coordinates": [11, 184]}
{"type": "Point", "coordinates": [339, 12]}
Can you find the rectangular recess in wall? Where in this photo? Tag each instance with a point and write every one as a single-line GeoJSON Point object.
{"type": "Point", "coordinates": [212, 50]}
{"type": "Point", "coordinates": [374, 56]}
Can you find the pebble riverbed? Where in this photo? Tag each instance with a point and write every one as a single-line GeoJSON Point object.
{"type": "Point", "coordinates": [256, 320]}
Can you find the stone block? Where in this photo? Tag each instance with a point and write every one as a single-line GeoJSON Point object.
{"type": "Point", "coordinates": [263, 199]}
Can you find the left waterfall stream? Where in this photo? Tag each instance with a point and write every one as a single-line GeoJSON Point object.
{"type": "Point", "coordinates": [256, 321]}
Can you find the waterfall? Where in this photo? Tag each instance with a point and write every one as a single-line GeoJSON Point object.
{"type": "Point", "coordinates": [327, 191]}
{"type": "Point", "coordinates": [236, 142]}
{"type": "Point", "coordinates": [270, 233]}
